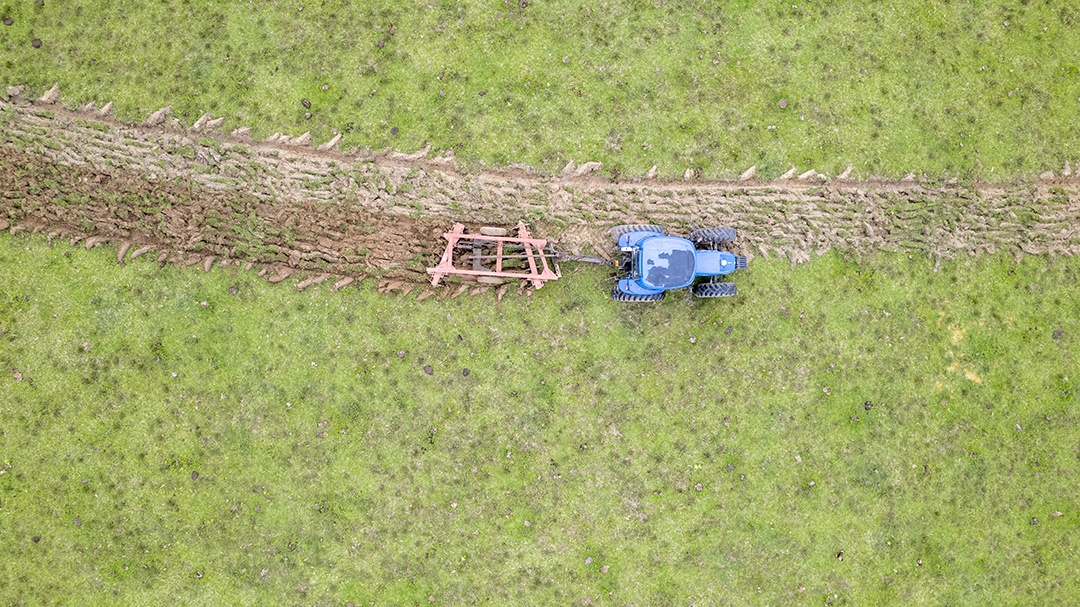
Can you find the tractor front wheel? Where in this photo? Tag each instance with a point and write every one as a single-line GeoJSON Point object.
{"type": "Point", "coordinates": [618, 295]}
{"type": "Point", "coordinates": [709, 290]}
{"type": "Point", "coordinates": [712, 236]}
{"type": "Point", "coordinates": [618, 231]}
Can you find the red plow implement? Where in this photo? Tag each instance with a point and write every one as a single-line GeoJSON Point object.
{"type": "Point", "coordinates": [493, 257]}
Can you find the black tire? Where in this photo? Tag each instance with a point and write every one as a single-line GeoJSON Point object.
{"type": "Point", "coordinates": [709, 290]}
{"type": "Point", "coordinates": [709, 236]}
{"type": "Point", "coordinates": [618, 295]}
{"type": "Point", "coordinates": [618, 231]}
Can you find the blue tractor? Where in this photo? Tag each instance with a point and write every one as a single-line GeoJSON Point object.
{"type": "Point", "coordinates": [653, 263]}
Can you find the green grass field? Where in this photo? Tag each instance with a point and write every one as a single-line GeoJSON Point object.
{"type": "Point", "coordinates": [978, 90]}
{"type": "Point", "coordinates": [270, 447]}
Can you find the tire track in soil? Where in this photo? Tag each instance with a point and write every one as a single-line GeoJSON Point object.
{"type": "Point", "coordinates": [293, 207]}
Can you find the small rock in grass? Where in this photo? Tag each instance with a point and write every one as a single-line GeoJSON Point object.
{"type": "Point", "coordinates": [36, 42]}
{"type": "Point", "coordinates": [605, 569]}
{"type": "Point", "coordinates": [588, 167]}
{"type": "Point", "coordinates": [428, 370]}
{"type": "Point", "coordinates": [36, 539]}
{"type": "Point", "coordinates": [783, 104]}
{"type": "Point", "coordinates": [8, 21]}
{"type": "Point", "coordinates": [401, 353]}
{"type": "Point", "coordinates": [52, 95]}
{"type": "Point", "coordinates": [77, 522]}
{"type": "Point", "coordinates": [464, 372]}
{"type": "Point", "coordinates": [159, 116]}
{"type": "Point", "coordinates": [868, 405]}
{"type": "Point", "coordinates": [588, 560]}
{"type": "Point", "coordinates": [306, 104]}
{"type": "Point", "coordinates": [194, 475]}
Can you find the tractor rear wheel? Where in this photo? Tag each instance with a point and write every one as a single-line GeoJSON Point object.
{"type": "Point", "coordinates": [709, 290]}
{"type": "Point", "coordinates": [712, 236]}
{"type": "Point", "coordinates": [618, 231]}
{"type": "Point", "coordinates": [618, 295]}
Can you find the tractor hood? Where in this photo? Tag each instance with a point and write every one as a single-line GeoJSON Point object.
{"type": "Point", "coordinates": [666, 262]}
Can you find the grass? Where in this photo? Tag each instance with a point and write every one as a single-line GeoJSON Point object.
{"type": "Point", "coordinates": [977, 90]}
{"type": "Point", "coordinates": [159, 450]}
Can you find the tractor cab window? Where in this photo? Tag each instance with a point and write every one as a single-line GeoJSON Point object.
{"type": "Point", "coordinates": [667, 263]}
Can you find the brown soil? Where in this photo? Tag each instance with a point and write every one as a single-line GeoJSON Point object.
{"type": "Point", "coordinates": [197, 195]}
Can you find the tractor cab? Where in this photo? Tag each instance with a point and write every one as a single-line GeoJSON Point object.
{"type": "Point", "coordinates": [664, 262]}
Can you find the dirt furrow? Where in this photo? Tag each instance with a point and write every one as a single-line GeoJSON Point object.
{"type": "Point", "coordinates": [233, 197]}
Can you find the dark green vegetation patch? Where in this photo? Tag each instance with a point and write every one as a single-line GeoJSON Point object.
{"type": "Point", "coordinates": [863, 434]}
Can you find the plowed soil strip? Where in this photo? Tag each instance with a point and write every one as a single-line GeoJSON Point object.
{"type": "Point", "coordinates": [192, 224]}
{"type": "Point", "coordinates": [328, 212]}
